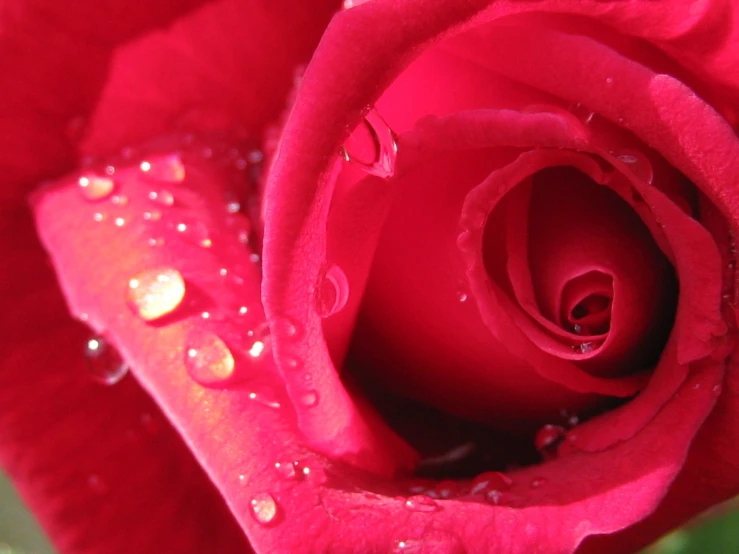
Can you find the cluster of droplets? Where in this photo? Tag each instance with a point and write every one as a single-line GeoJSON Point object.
{"type": "Point", "coordinates": [156, 292]}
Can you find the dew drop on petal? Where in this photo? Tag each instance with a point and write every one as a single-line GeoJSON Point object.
{"type": "Point", "coordinates": [407, 546]}
{"type": "Point", "coordinates": [264, 400]}
{"type": "Point", "coordinates": [490, 480]}
{"type": "Point", "coordinates": [208, 359]}
{"type": "Point", "coordinates": [373, 146]}
{"type": "Point", "coordinates": [493, 496]}
{"type": "Point", "coordinates": [421, 503]}
{"type": "Point", "coordinates": [95, 187]}
{"type": "Point", "coordinates": [638, 164]}
{"type": "Point", "coordinates": [105, 364]}
{"type": "Point", "coordinates": [585, 348]}
{"type": "Point", "coordinates": [263, 508]}
{"type": "Point", "coordinates": [119, 200]}
{"type": "Point", "coordinates": [286, 470]}
{"type": "Point", "coordinates": [168, 169]}
{"type": "Point", "coordinates": [538, 482]}
{"type": "Point", "coordinates": [332, 292]}
{"type": "Point", "coordinates": [194, 231]}
{"type": "Point", "coordinates": [154, 293]}
{"type": "Point", "coordinates": [163, 197]}
{"type": "Point", "coordinates": [548, 438]}
{"type": "Point", "coordinates": [308, 399]}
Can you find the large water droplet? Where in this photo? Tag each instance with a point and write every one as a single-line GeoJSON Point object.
{"type": "Point", "coordinates": [332, 292]}
{"type": "Point", "coordinates": [372, 146]}
{"type": "Point", "coordinates": [154, 293]}
{"type": "Point", "coordinates": [207, 358]}
{"type": "Point", "coordinates": [421, 503]}
{"type": "Point", "coordinates": [104, 362]}
{"type": "Point", "coordinates": [638, 164]}
{"type": "Point", "coordinates": [168, 169]}
{"type": "Point", "coordinates": [95, 187]}
{"type": "Point", "coordinates": [263, 508]}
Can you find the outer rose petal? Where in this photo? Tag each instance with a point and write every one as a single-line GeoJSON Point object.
{"type": "Point", "coordinates": [55, 60]}
{"type": "Point", "coordinates": [302, 181]}
{"type": "Point", "coordinates": [334, 509]}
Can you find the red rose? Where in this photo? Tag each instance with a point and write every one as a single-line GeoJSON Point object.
{"type": "Point", "coordinates": [554, 233]}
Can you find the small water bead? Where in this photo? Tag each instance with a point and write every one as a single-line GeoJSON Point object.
{"type": "Point", "coordinates": [208, 359]}
{"type": "Point", "coordinates": [195, 232]}
{"type": "Point", "coordinates": [490, 480]}
{"type": "Point", "coordinates": [638, 164]}
{"type": "Point", "coordinates": [609, 81]}
{"type": "Point", "coordinates": [548, 438]}
{"type": "Point", "coordinates": [716, 390]}
{"type": "Point", "coordinates": [110, 170]}
{"type": "Point", "coordinates": [95, 187]}
{"type": "Point", "coordinates": [286, 470]}
{"type": "Point", "coordinates": [264, 400]}
{"type": "Point", "coordinates": [169, 169]}
{"type": "Point", "coordinates": [263, 508]}
{"type": "Point", "coordinates": [421, 503]}
{"type": "Point", "coordinates": [256, 349]}
{"type": "Point", "coordinates": [154, 293]}
{"type": "Point", "coordinates": [308, 398]}
{"type": "Point", "coordinates": [408, 546]}
{"type": "Point", "coordinates": [152, 216]}
{"type": "Point", "coordinates": [163, 197]}
{"type": "Point", "coordinates": [585, 348]}
{"type": "Point", "coordinates": [243, 310]}
{"type": "Point", "coordinates": [332, 292]}
{"type": "Point", "coordinates": [155, 241]}
{"type": "Point", "coordinates": [462, 295]}
{"type": "Point", "coordinates": [104, 362]}
{"type": "Point", "coordinates": [384, 146]}
{"type": "Point", "coordinates": [98, 217]}
{"type": "Point", "coordinates": [538, 482]}
{"type": "Point", "coordinates": [119, 222]}
{"type": "Point", "coordinates": [119, 200]}
{"type": "Point", "coordinates": [242, 479]}
{"type": "Point", "coordinates": [493, 496]}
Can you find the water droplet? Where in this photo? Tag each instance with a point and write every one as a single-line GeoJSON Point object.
{"type": "Point", "coordinates": [716, 390]}
{"type": "Point", "coordinates": [163, 197]}
{"type": "Point", "coordinates": [169, 169]}
{"type": "Point", "coordinates": [582, 113]}
{"type": "Point", "coordinates": [286, 470]}
{"type": "Point", "coordinates": [98, 217]}
{"type": "Point", "coordinates": [548, 438]}
{"type": "Point", "coordinates": [462, 295]}
{"type": "Point", "coordinates": [152, 216]}
{"type": "Point", "coordinates": [104, 362]}
{"type": "Point", "coordinates": [407, 546]}
{"type": "Point", "coordinates": [243, 310]}
{"type": "Point", "coordinates": [490, 480]}
{"type": "Point", "coordinates": [577, 329]}
{"type": "Point", "coordinates": [538, 482]}
{"type": "Point", "coordinates": [207, 358]}
{"type": "Point", "coordinates": [421, 503]}
{"type": "Point", "coordinates": [110, 170]}
{"type": "Point", "coordinates": [309, 398]}
{"type": "Point", "coordinates": [195, 232]}
{"type": "Point", "coordinates": [465, 242]}
{"type": "Point", "coordinates": [120, 200]}
{"type": "Point", "coordinates": [256, 349]}
{"type": "Point", "coordinates": [382, 144]}
{"type": "Point", "coordinates": [447, 489]}
{"type": "Point", "coordinates": [233, 206]}
{"type": "Point", "coordinates": [638, 164]}
{"type": "Point", "coordinates": [242, 480]}
{"type": "Point", "coordinates": [494, 496]}
{"type": "Point", "coordinates": [155, 241]}
{"type": "Point", "coordinates": [332, 292]}
{"type": "Point", "coordinates": [286, 327]}
{"type": "Point", "coordinates": [609, 81]}
{"type": "Point", "coordinates": [263, 508]}
{"type": "Point", "coordinates": [264, 400]}
{"type": "Point", "coordinates": [585, 348]}
{"type": "Point", "coordinates": [95, 187]}
{"type": "Point", "coordinates": [154, 293]}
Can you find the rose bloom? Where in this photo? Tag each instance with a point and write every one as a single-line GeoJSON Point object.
{"type": "Point", "coordinates": [465, 283]}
